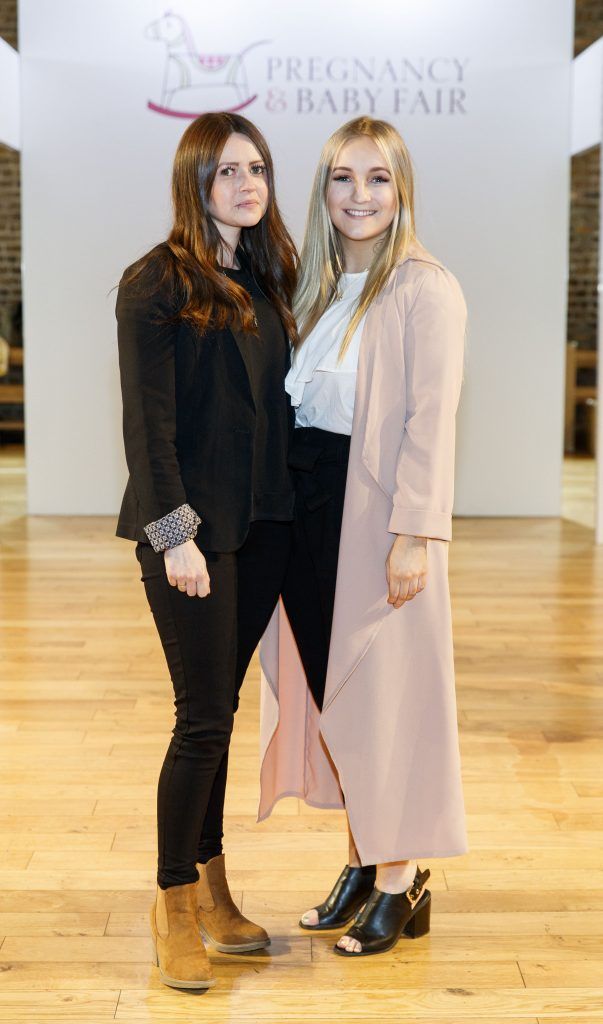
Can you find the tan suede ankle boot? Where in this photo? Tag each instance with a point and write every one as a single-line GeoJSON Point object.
{"type": "Point", "coordinates": [220, 920]}
{"type": "Point", "coordinates": [179, 951]}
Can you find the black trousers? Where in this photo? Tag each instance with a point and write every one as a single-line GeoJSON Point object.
{"type": "Point", "coordinates": [208, 643]}
{"type": "Point", "coordinates": [318, 460]}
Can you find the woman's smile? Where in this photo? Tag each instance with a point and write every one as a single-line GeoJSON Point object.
{"type": "Point", "coordinates": [361, 189]}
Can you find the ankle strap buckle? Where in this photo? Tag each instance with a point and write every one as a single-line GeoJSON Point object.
{"type": "Point", "coordinates": [416, 890]}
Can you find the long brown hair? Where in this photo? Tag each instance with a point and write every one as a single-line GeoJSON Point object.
{"type": "Point", "coordinates": [206, 297]}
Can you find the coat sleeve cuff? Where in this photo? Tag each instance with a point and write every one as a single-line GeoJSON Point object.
{"type": "Point", "coordinates": [420, 522]}
{"type": "Point", "coordinates": [173, 529]}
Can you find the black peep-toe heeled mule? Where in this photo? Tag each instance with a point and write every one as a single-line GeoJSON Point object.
{"type": "Point", "coordinates": [351, 890]}
{"type": "Point", "coordinates": [385, 916]}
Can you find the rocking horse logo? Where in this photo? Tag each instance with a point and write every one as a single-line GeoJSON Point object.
{"type": "Point", "coordinates": [195, 83]}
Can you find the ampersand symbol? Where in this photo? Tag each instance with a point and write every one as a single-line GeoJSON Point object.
{"type": "Point", "coordinates": [275, 101]}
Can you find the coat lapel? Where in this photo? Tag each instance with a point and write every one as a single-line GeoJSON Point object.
{"type": "Point", "coordinates": [380, 366]}
{"type": "Point", "coordinates": [381, 362]}
{"type": "Point", "coordinates": [243, 341]}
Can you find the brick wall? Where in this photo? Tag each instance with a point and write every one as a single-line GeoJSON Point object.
{"type": "Point", "coordinates": [10, 189]}
{"type": "Point", "coordinates": [10, 227]}
{"type": "Point", "coordinates": [584, 248]}
{"type": "Point", "coordinates": [8, 22]}
{"type": "Point", "coordinates": [584, 208]}
{"type": "Point", "coordinates": [588, 24]}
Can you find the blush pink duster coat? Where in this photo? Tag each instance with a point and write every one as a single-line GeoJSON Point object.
{"type": "Point", "coordinates": [386, 743]}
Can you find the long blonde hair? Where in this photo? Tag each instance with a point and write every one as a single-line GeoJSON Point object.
{"type": "Point", "coordinates": [321, 259]}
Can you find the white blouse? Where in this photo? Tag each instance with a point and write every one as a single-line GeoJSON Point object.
{"type": "Point", "coordinates": [322, 390]}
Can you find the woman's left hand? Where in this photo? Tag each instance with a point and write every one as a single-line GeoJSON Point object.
{"type": "Point", "coordinates": [406, 568]}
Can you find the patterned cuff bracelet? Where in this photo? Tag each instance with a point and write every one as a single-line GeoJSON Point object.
{"type": "Point", "coordinates": [173, 529]}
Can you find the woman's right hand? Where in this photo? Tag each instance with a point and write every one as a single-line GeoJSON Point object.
{"type": "Point", "coordinates": [186, 569]}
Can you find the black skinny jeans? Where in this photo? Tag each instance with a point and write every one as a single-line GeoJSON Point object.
{"type": "Point", "coordinates": [208, 643]}
{"type": "Point", "coordinates": [318, 460]}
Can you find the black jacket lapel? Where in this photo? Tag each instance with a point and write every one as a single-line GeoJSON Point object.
{"type": "Point", "coordinates": [243, 341]}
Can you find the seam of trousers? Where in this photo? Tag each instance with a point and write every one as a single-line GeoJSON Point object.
{"type": "Point", "coordinates": [180, 738]}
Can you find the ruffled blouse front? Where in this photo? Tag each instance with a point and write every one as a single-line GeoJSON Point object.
{"type": "Point", "coordinates": [322, 390]}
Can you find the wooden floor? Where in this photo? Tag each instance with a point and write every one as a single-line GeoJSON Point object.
{"type": "Point", "coordinates": [517, 924]}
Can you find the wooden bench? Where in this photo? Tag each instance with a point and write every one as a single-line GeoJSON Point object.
{"type": "Point", "coordinates": [576, 394]}
{"type": "Point", "coordinates": [11, 393]}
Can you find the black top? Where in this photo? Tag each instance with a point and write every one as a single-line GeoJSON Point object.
{"type": "Point", "coordinates": [206, 418]}
{"type": "Point", "coordinates": [266, 358]}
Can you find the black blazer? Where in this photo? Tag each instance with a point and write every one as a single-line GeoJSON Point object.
{"type": "Point", "coordinates": [188, 420]}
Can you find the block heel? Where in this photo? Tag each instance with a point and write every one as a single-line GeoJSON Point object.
{"type": "Point", "coordinates": [420, 921]}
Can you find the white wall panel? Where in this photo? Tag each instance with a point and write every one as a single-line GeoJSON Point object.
{"type": "Point", "coordinates": [481, 93]}
{"type": "Point", "coordinates": [587, 97]}
{"type": "Point", "coordinates": [9, 96]}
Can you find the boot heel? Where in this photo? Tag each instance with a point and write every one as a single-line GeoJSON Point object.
{"type": "Point", "coordinates": [419, 922]}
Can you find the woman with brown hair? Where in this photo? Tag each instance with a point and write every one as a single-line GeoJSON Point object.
{"type": "Point", "coordinates": [204, 325]}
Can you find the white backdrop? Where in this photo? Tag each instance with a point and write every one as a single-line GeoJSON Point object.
{"type": "Point", "coordinates": [587, 98]}
{"type": "Point", "coordinates": [479, 91]}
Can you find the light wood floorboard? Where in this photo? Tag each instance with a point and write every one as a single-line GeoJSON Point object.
{"type": "Point", "coordinates": [85, 716]}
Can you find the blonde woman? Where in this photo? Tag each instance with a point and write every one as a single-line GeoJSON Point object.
{"type": "Point", "coordinates": [358, 698]}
